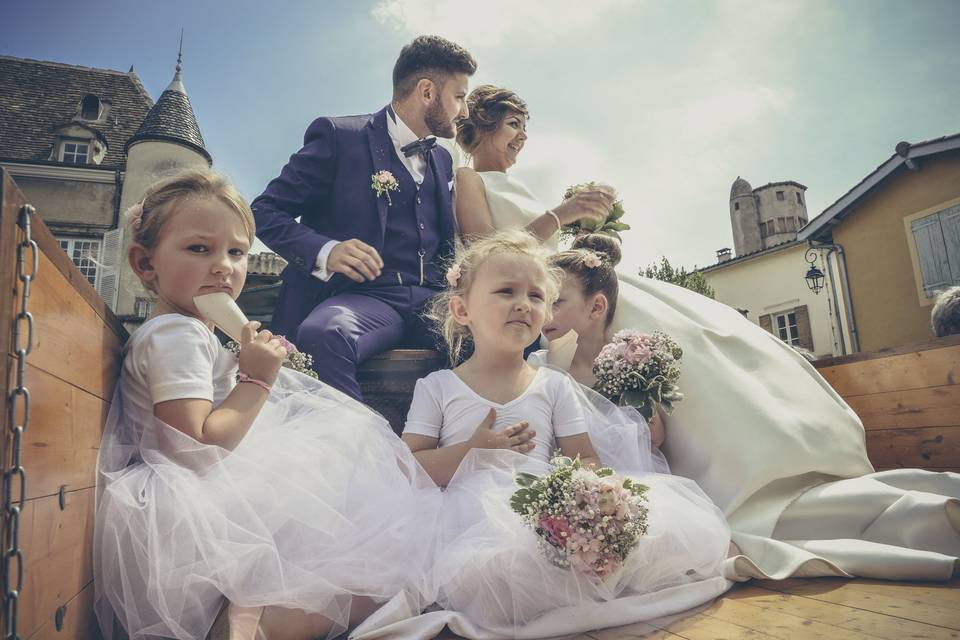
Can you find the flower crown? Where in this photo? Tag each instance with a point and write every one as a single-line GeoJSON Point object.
{"type": "Point", "coordinates": [453, 274]}
{"type": "Point", "coordinates": [135, 214]}
{"type": "Point", "coordinates": [591, 260]}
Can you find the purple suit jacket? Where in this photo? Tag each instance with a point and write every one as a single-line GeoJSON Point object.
{"type": "Point", "coordinates": [327, 185]}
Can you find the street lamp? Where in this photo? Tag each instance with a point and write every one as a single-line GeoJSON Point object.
{"type": "Point", "coordinates": [814, 276]}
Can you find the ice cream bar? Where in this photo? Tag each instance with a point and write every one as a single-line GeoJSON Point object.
{"type": "Point", "coordinates": [560, 352]}
{"type": "Point", "coordinates": [222, 310]}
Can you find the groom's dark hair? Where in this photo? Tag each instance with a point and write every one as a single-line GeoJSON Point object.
{"type": "Point", "coordinates": [430, 57]}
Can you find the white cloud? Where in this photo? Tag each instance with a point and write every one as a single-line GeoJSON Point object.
{"type": "Point", "coordinates": [488, 24]}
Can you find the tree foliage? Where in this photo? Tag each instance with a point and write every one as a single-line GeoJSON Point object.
{"type": "Point", "coordinates": [680, 276]}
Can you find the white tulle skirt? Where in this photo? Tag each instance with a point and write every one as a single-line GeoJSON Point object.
{"type": "Point", "coordinates": [319, 503]}
{"type": "Point", "coordinates": [489, 567]}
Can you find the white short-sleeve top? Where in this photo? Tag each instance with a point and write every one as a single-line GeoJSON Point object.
{"type": "Point", "coordinates": [445, 407]}
{"type": "Point", "coordinates": [173, 357]}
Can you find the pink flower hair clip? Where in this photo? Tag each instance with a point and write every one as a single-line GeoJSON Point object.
{"type": "Point", "coordinates": [135, 214]}
{"type": "Point", "coordinates": [591, 259]}
{"type": "Point", "coordinates": [453, 275]}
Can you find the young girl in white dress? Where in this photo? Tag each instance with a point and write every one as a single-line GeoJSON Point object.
{"type": "Point", "coordinates": [225, 479]}
{"type": "Point", "coordinates": [474, 426]}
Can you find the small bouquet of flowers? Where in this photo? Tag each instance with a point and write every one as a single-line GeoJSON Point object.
{"type": "Point", "coordinates": [585, 520]}
{"type": "Point", "coordinates": [296, 359]}
{"type": "Point", "coordinates": [612, 226]}
{"type": "Point", "coordinates": [640, 370]}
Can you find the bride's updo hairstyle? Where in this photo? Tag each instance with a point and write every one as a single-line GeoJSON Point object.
{"type": "Point", "coordinates": [591, 259]}
{"type": "Point", "coordinates": [467, 261]}
{"type": "Point", "coordinates": [489, 106]}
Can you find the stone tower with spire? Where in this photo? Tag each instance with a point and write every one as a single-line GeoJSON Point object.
{"type": "Point", "coordinates": [169, 140]}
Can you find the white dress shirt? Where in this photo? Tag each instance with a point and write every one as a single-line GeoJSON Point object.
{"type": "Point", "coordinates": [400, 135]}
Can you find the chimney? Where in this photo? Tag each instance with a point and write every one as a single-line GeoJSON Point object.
{"type": "Point", "coordinates": [723, 255]}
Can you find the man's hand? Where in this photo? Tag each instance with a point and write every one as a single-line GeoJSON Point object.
{"type": "Point", "coordinates": [355, 259]}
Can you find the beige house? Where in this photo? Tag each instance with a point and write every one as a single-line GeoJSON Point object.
{"type": "Point", "coordinates": [768, 287]}
{"type": "Point", "coordinates": [896, 236]}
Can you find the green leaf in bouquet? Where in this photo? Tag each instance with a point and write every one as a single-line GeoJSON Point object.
{"type": "Point", "coordinates": [562, 461]}
{"type": "Point", "coordinates": [617, 212]}
{"type": "Point", "coordinates": [617, 226]}
{"type": "Point", "coordinates": [635, 488]}
{"type": "Point", "coordinates": [525, 479]}
{"type": "Point", "coordinates": [604, 472]}
{"type": "Point", "coordinates": [590, 224]}
{"type": "Point", "coordinates": [634, 397]}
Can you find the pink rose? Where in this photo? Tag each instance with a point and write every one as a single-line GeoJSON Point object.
{"type": "Point", "coordinates": [557, 528]}
{"type": "Point", "coordinates": [286, 344]}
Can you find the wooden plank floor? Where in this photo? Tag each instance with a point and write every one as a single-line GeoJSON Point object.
{"type": "Point", "coordinates": [810, 609]}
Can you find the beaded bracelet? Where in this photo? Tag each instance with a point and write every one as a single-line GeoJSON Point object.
{"type": "Point", "coordinates": [242, 377]}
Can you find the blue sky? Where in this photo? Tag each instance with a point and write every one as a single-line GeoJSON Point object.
{"type": "Point", "coordinates": [668, 101]}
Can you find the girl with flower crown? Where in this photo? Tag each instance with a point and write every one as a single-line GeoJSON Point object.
{"type": "Point", "coordinates": [488, 569]}
{"type": "Point", "coordinates": [228, 479]}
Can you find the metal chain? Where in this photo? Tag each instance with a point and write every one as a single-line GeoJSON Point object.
{"type": "Point", "coordinates": [19, 397]}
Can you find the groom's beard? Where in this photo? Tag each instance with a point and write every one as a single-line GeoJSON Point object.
{"type": "Point", "coordinates": [437, 121]}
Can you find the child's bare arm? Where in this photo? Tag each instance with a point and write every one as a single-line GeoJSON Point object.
{"type": "Point", "coordinates": [441, 463]}
{"type": "Point", "coordinates": [579, 445]}
{"type": "Point", "coordinates": [260, 358]}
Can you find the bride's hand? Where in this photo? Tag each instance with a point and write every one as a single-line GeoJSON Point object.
{"type": "Point", "coordinates": [594, 205]}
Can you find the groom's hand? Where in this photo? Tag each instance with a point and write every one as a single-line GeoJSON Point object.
{"type": "Point", "coordinates": [355, 259]}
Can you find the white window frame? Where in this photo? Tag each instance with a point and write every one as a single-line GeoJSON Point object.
{"type": "Point", "coordinates": [75, 153]}
{"type": "Point", "coordinates": [789, 332]}
{"type": "Point", "coordinates": [86, 266]}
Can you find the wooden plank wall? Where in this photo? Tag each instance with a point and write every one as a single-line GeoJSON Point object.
{"type": "Point", "coordinates": [70, 374]}
{"type": "Point", "coordinates": [908, 399]}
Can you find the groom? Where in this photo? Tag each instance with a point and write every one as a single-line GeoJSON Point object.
{"type": "Point", "coordinates": [365, 256]}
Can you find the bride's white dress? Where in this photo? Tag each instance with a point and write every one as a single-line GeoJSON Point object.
{"type": "Point", "coordinates": [775, 447]}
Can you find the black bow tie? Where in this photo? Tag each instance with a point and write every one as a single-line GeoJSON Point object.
{"type": "Point", "coordinates": [421, 146]}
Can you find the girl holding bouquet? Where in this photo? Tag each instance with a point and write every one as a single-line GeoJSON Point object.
{"type": "Point", "coordinates": [586, 305]}
{"type": "Point", "coordinates": [225, 478]}
{"type": "Point", "coordinates": [489, 567]}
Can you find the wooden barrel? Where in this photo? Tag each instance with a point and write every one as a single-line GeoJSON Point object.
{"type": "Point", "coordinates": [70, 375]}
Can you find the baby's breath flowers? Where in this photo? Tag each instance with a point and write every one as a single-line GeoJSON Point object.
{"type": "Point", "coordinates": [640, 370]}
{"type": "Point", "coordinates": [296, 359]}
{"type": "Point", "coordinates": [612, 226]}
{"type": "Point", "coordinates": [584, 519]}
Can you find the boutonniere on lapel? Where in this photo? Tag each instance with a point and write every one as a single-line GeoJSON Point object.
{"type": "Point", "coordinates": [383, 182]}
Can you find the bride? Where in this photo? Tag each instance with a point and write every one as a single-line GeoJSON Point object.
{"type": "Point", "coordinates": [774, 446]}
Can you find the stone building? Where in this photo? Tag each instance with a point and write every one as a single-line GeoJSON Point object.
{"type": "Point", "coordinates": [766, 216]}
{"type": "Point", "coordinates": [83, 144]}
{"type": "Point", "coordinates": [765, 279]}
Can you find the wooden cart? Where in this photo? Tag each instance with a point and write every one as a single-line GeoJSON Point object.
{"type": "Point", "coordinates": [67, 366]}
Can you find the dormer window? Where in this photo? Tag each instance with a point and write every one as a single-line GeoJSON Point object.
{"type": "Point", "coordinates": [90, 107]}
{"type": "Point", "coordinates": [74, 152]}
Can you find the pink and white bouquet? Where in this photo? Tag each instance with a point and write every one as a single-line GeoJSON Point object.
{"type": "Point", "coordinates": [296, 359]}
{"type": "Point", "coordinates": [586, 520]}
{"type": "Point", "coordinates": [640, 370]}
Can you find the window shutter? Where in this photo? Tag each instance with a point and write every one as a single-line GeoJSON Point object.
{"type": "Point", "coordinates": [950, 225]}
{"type": "Point", "coordinates": [803, 327]}
{"type": "Point", "coordinates": [109, 282]}
{"type": "Point", "coordinates": [932, 253]}
{"type": "Point", "coordinates": [766, 323]}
